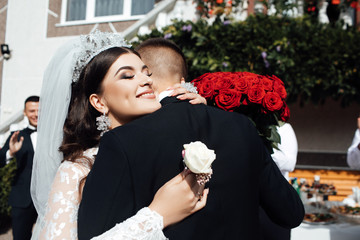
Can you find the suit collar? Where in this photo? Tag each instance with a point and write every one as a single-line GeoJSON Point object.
{"type": "Point", "coordinates": [168, 100]}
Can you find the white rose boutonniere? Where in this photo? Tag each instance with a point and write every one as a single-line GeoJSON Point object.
{"type": "Point", "coordinates": [198, 158]}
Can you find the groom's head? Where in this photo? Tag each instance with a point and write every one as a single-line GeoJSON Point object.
{"type": "Point", "coordinates": [165, 60]}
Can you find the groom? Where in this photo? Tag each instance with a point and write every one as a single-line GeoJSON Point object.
{"type": "Point", "coordinates": [138, 158]}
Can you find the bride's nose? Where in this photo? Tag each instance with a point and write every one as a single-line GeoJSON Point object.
{"type": "Point", "coordinates": [147, 81]}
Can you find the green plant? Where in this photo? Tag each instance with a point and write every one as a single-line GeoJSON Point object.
{"type": "Point", "coordinates": [316, 61]}
{"type": "Point", "coordinates": [7, 174]}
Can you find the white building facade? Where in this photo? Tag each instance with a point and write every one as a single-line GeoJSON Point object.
{"type": "Point", "coordinates": [34, 30]}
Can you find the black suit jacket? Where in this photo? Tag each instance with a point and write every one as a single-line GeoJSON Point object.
{"type": "Point", "coordinates": [20, 189]}
{"type": "Point", "coordinates": [136, 159]}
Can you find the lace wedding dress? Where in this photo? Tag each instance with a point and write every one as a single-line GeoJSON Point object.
{"type": "Point", "coordinates": [60, 220]}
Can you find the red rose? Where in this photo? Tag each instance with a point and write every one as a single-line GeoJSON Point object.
{"type": "Point", "coordinates": [285, 114]}
{"type": "Point", "coordinates": [267, 83]}
{"type": "Point", "coordinates": [247, 74]}
{"type": "Point", "coordinates": [228, 99]}
{"type": "Point", "coordinates": [353, 4]}
{"type": "Point", "coordinates": [251, 78]}
{"type": "Point", "coordinates": [272, 101]}
{"type": "Point", "coordinates": [279, 86]}
{"type": "Point", "coordinates": [241, 85]}
{"type": "Point", "coordinates": [245, 102]}
{"type": "Point", "coordinates": [256, 93]}
{"type": "Point", "coordinates": [205, 85]}
{"type": "Point", "coordinates": [225, 81]}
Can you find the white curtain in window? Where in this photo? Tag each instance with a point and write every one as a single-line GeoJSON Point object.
{"type": "Point", "coordinates": [76, 10]}
{"type": "Point", "coordinates": [141, 7]}
{"type": "Point", "coordinates": [109, 7]}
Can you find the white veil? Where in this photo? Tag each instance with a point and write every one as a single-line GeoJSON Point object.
{"type": "Point", "coordinates": [54, 102]}
{"type": "Point", "coordinates": [64, 69]}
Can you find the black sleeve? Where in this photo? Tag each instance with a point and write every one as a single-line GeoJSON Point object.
{"type": "Point", "coordinates": [3, 151]}
{"type": "Point", "coordinates": [277, 197]}
{"type": "Point", "coordinates": [100, 209]}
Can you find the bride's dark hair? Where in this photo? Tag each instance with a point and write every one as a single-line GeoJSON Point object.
{"type": "Point", "coordinates": [80, 130]}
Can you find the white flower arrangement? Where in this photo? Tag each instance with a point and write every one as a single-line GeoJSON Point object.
{"type": "Point", "coordinates": [198, 158]}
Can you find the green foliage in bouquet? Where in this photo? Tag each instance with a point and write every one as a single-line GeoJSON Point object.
{"type": "Point", "coordinates": [315, 61]}
{"type": "Point", "coordinates": [7, 174]}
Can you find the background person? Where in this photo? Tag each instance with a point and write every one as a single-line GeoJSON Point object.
{"type": "Point", "coordinates": [20, 145]}
{"type": "Point", "coordinates": [353, 154]}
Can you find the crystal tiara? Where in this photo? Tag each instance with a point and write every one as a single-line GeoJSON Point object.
{"type": "Point", "coordinates": [93, 44]}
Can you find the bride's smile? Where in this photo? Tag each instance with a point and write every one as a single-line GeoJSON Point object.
{"type": "Point", "coordinates": [127, 91]}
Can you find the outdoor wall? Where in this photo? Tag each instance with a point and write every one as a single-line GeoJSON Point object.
{"type": "Point", "coordinates": [3, 13]}
{"type": "Point", "coordinates": [30, 53]}
{"type": "Point", "coordinates": [54, 29]}
{"type": "Point", "coordinates": [324, 128]}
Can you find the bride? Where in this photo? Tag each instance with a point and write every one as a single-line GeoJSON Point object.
{"type": "Point", "coordinates": [68, 122]}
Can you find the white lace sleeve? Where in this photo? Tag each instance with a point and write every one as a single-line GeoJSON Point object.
{"type": "Point", "coordinates": [60, 221]}
{"type": "Point", "coordinates": [145, 225]}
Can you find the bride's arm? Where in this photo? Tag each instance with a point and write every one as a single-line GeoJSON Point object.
{"type": "Point", "coordinates": [60, 220]}
{"type": "Point", "coordinates": [172, 203]}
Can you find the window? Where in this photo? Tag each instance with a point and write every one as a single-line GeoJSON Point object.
{"type": "Point", "coordinates": [104, 10]}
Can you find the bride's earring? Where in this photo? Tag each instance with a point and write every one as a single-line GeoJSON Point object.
{"type": "Point", "coordinates": [103, 123]}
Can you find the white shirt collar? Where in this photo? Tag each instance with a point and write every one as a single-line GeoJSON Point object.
{"type": "Point", "coordinates": [164, 94]}
{"type": "Point", "coordinates": [31, 127]}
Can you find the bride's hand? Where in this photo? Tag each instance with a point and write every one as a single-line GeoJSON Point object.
{"type": "Point", "coordinates": [184, 94]}
{"type": "Point", "coordinates": [179, 198]}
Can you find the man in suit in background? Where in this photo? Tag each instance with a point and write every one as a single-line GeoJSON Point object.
{"type": "Point", "coordinates": [20, 145]}
{"type": "Point", "coordinates": [137, 158]}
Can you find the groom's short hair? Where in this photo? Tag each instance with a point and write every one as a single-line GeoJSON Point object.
{"type": "Point", "coordinates": [163, 57]}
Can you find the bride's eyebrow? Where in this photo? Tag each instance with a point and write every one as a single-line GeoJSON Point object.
{"type": "Point", "coordinates": [130, 68]}
{"type": "Point", "coordinates": [144, 67]}
{"type": "Point", "coordinates": [122, 68]}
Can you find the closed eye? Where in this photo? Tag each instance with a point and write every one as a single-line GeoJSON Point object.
{"type": "Point", "coordinates": [127, 76]}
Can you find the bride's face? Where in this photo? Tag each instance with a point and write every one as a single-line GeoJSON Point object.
{"type": "Point", "coordinates": [127, 90]}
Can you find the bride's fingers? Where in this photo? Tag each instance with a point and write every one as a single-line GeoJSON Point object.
{"type": "Point", "coordinates": [190, 179]}
{"type": "Point", "coordinates": [198, 190]}
{"type": "Point", "coordinates": [193, 97]}
{"type": "Point", "coordinates": [179, 91]}
{"type": "Point", "coordinates": [202, 201]}
{"type": "Point", "coordinates": [198, 101]}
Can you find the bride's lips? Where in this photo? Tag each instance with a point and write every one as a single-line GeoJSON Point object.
{"type": "Point", "coordinates": [149, 94]}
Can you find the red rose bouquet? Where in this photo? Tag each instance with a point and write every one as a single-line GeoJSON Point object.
{"type": "Point", "coordinates": [261, 98]}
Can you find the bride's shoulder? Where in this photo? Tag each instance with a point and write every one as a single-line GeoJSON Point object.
{"type": "Point", "coordinates": [83, 163]}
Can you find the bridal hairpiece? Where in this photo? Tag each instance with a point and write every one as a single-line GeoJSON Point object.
{"type": "Point", "coordinates": [93, 44]}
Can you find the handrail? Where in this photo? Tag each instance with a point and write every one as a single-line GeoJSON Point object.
{"type": "Point", "coordinates": [4, 127]}
{"type": "Point", "coordinates": [165, 5]}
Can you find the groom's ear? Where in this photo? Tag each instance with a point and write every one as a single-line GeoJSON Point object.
{"type": "Point", "coordinates": [98, 103]}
